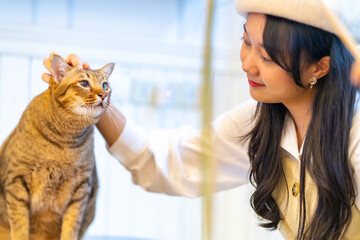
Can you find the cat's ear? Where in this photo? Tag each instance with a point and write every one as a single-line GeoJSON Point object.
{"type": "Point", "coordinates": [107, 69]}
{"type": "Point", "coordinates": [59, 68]}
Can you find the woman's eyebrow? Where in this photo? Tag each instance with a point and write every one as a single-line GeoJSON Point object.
{"type": "Point", "coordinates": [261, 44]}
{"type": "Point", "coordinates": [245, 29]}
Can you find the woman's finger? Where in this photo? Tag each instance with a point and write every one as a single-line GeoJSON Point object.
{"type": "Point", "coordinates": [74, 60]}
{"type": "Point", "coordinates": [47, 64]}
{"type": "Point", "coordinates": [52, 54]}
{"type": "Point", "coordinates": [47, 61]}
{"type": "Point", "coordinates": [46, 77]}
{"type": "Point", "coordinates": [86, 66]}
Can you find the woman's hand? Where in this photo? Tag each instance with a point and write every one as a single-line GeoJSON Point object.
{"type": "Point", "coordinates": [355, 74]}
{"type": "Point", "coordinates": [71, 59]}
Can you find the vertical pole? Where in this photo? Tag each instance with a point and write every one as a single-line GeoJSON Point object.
{"type": "Point", "coordinates": [207, 157]}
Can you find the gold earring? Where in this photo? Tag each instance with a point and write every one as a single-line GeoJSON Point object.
{"type": "Point", "coordinates": [313, 82]}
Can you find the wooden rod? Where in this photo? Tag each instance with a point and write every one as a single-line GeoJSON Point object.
{"type": "Point", "coordinates": [208, 167]}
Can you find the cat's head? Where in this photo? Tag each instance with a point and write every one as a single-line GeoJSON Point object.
{"type": "Point", "coordinates": [79, 92]}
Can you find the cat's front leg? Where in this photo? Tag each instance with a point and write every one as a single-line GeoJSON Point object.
{"type": "Point", "coordinates": [74, 213]}
{"type": "Point", "coordinates": [17, 196]}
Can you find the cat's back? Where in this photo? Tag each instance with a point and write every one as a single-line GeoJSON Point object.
{"type": "Point", "coordinates": [21, 139]}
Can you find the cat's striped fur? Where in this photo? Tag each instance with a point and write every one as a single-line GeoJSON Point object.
{"type": "Point", "coordinates": [48, 179]}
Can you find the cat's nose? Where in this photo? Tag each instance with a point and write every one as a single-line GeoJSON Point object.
{"type": "Point", "coordinates": [102, 96]}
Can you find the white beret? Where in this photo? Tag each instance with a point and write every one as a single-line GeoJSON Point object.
{"type": "Point", "coordinates": [309, 12]}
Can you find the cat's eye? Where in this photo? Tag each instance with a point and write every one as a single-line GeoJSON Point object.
{"type": "Point", "coordinates": [84, 83]}
{"type": "Point", "coordinates": [105, 86]}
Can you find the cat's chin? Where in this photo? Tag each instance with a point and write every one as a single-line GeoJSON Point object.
{"type": "Point", "coordinates": [90, 112]}
{"type": "Point", "coordinates": [96, 116]}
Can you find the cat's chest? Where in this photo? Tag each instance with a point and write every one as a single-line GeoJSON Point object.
{"type": "Point", "coordinates": [52, 186]}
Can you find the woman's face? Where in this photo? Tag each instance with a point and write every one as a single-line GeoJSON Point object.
{"type": "Point", "coordinates": [268, 82]}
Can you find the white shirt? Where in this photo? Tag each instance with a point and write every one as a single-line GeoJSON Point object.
{"type": "Point", "coordinates": [169, 162]}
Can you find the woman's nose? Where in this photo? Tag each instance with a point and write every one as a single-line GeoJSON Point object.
{"type": "Point", "coordinates": [249, 64]}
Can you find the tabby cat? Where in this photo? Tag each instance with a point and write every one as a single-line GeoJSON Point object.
{"type": "Point", "coordinates": [48, 179]}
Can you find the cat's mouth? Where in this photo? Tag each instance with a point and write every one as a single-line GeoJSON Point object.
{"type": "Point", "coordinates": [96, 104]}
{"type": "Point", "coordinates": [91, 109]}
{"type": "Point", "coordinates": [101, 104]}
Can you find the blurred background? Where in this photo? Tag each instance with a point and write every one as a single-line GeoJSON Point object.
{"type": "Point", "coordinates": [157, 47]}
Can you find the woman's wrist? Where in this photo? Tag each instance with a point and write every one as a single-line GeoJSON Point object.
{"type": "Point", "coordinates": [355, 74]}
{"type": "Point", "coordinates": [111, 124]}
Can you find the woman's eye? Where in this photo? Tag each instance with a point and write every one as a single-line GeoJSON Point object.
{"type": "Point", "coordinates": [265, 59]}
{"type": "Point", "coordinates": [247, 43]}
{"type": "Point", "coordinates": [105, 86]}
{"type": "Point", "coordinates": [84, 84]}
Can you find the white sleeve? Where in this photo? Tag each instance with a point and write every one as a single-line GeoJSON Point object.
{"type": "Point", "coordinates": [169, 161]}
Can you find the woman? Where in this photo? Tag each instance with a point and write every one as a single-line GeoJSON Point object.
{"type": "Point", "coordinates": [299, 140]}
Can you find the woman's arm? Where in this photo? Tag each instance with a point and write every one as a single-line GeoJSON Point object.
{"type": "Point", "coordinates": [355, 74]}
{"type": "Point", "coordinates": [111, 124]}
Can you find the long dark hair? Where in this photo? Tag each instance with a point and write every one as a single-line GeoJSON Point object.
{"type": "Point", "coordinates": [325, 157]}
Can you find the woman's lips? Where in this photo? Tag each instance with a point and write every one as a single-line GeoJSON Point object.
{"type": "Point", "coordinates": [254, 84]}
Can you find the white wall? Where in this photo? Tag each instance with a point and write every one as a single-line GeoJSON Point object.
{"type": "Point", "coordinates": [157, 47]}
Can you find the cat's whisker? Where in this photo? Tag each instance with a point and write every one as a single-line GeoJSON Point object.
{"type": "Point", "coordinates": [91, 116]}
{"type": "Point", "coordinates": [110, 107]}
{"type": "Point", "coordinates": [116, 113]}
{"type": "Point", "coordinates": [70, 106]}
{"type": "Point", "coordinates": [88, 114]}
{"type": "Point", "coordinates": [112, 118]}
{"type": "Point", "coordinates": [70, 113]}
{"type": "Point", "coordinates": [66, 109]}
{"type": "Point", "coordinates": [84, 116]}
